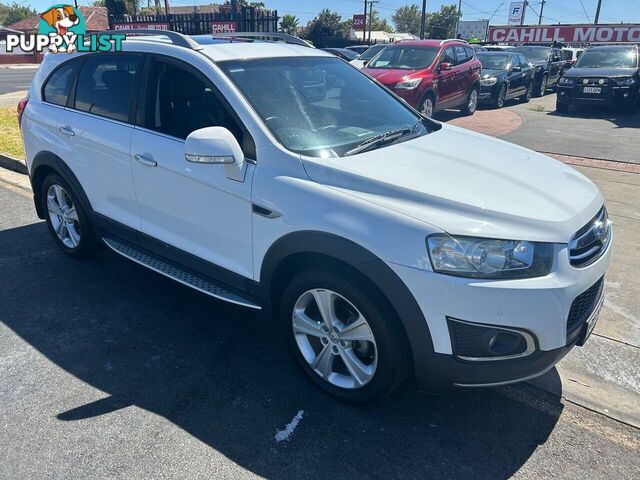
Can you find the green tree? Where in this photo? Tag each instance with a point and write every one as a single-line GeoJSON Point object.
{"type": "Point", "coordinates": [117, 8]}
{"type": "Point", "coordinates": [407, 19]}
{"type": "Point", "coordinates": [378, 23]}
{"type": "Point", "coordinates": [14, 13]}
{"type": "Point", "coordinates": [442, 24]}
{"type": "Point", "coordinates": [289, 24]}
{"type": "Point", "coordinates": [325, 25]}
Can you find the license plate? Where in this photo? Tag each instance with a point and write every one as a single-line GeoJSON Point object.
{"type": "Point", "coordinates": [592, 90]}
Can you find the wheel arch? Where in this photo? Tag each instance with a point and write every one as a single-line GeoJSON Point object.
{"type": "Point", "coordinates": [45, 163]}
{"type": "Point", "coordinates": [296, 251]}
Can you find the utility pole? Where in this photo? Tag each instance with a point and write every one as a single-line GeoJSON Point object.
{"type": "Point", "coordinates": [423, 18]}
{"type": "Point", "coordinates": [364, 27]}
{"type": "Point", "coordinates": [541, 10]}
{"type": "Point", "coordinates": [458, 19]}
{"type": "Point", "coordinates": [595, 20]}
{"type": "Point", "coordinates": [371, 2]}
{"type": "Point", "coordinates": [167, 9]}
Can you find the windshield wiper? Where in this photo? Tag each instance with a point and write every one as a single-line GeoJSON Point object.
{"type": "Point", "coordinates": [382, 139]}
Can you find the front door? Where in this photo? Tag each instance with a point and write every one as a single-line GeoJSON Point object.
{"type": "Point", "coordinates": [196, 208]}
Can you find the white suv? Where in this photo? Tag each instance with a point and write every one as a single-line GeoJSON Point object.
{"type": "Point", "coordinates": [278, 177]}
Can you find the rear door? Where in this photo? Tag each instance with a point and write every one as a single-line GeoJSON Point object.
{"type": "Point", "coordinates": [95, 131]}
{"type": "Point", "coordinates": [464, 73]}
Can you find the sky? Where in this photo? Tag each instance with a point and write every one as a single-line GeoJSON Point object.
{"type": "Point", "coordinates": [555, 11]}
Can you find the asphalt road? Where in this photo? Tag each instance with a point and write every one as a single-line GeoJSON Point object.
{"type": "Point", "coordinates": [15, 79]}
{"type": "Point", "coordinates": [111, 371]}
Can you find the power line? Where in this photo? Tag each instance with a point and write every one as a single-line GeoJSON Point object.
{"type": "Point", "coordinates": [585, 12]}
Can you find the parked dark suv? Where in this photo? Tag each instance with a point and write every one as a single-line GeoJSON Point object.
{"type": "Point", "coordinates": [602, 75]}
{"type": "Point", "coordinates": [430, 74]}
{"type": "Point", "coordinates": [504, 76]}
{"type": "Point", "coordinates": [548, 64]}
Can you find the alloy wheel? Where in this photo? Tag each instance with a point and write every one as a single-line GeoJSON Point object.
{"type": "Point", "coordinates": [501, 96]}
{"type": "Point", "coordinates": [473, 101]}
{"type": "Point", "coordinates": [530, 91]}
{"type": "Point", "coordinates": [427, 107]}
{"type": "Point", "coordinates": [334, 338]}
{"type": "Point", "coordinates": [63, 216]}
{"type": "Point", "coordinates": [543, 86]}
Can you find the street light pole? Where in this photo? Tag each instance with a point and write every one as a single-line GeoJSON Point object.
{"type": "Point", "coordinates": [423, 18]}
{"type": "Point", "coordinates": [595, 20]}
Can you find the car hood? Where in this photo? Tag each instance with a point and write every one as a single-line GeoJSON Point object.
{"type": "Point", "coordinates": [490, 72]}
{"type": "Point", "coordinates": [600, 72]}
{"type": "Point", "coordinates": [389, 76]}
{"type": "Point", "coordinates": [466, 183]}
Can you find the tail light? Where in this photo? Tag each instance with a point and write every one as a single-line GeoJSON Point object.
{"type": "Point", "coordinates": [22, 104]}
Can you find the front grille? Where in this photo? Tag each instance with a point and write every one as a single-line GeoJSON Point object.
{"type": "Point", "coordinates": [591, 241]}
{"type": "Point", "coordinates": [583, 305]}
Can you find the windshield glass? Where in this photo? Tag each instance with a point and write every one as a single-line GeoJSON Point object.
{"type": "Point", "coordinates": [494, 62]}
{"type": "Point", "coordinates": [608, 59]}
{"type": "Point", "coordinates": [534, 54]}
{"type": "Point", "coordinates": [318, 106]}
{"type": "Point", "coordinates": [371, 52]}
{"type": "Point", "coordinates": [405, 57]}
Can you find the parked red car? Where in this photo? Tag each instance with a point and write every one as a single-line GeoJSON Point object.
{"type": "Point", "coordinates": [430, 75]}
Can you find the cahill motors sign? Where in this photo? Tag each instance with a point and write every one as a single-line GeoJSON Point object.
{"type": "Point", "coordinates": [566, 33]}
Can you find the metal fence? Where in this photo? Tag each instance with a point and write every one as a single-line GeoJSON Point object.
{"type": "Point", "coordinates": [247, 19]}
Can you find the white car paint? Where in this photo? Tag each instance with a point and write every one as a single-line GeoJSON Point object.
{"type": "Point", "coordinates": [387, 200]}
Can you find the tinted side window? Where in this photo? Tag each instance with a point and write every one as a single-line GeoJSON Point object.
{"type": "Point", "coordinates": [523, 60]}
{"type": "Point", "coordinates": [179, 102]}
{"type": "Point", "coordinates": [105, 84]}
{"type": "Point", "coordinates": [448, 56]}
{"type": "Point", "coordinates": [58, 86]}
{"type": "Point", "coordinates": [567, 55]}
{"type": "Point", "coordinates": [469, 52]}
{"type": "Point", "coordinates": [461, 54]}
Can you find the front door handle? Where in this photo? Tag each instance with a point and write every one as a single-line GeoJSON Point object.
{"type": "Point", "coordinates": [67, 130]}
{"type": "Point", "coordinates": [145, 160]}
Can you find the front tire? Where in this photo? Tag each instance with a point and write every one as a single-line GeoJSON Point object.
{"type": "Point", "coordinates": [67, 221]}
{"type": "Point", "coordinates": [343, 336]}
{"type": "Point", "coordinates": [471, 104]}
{"type": "Point", "coordinates": [502, 95]}
{"type": "Point", "coordinates": [562, 107]}
{"type": "Point", "coordinates": [428, 105]}
{"type": "Point", "coordinates": [527, 96]}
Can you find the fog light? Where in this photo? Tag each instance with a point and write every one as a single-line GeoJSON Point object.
{"type": "Point", "coordinates": [480, 343]}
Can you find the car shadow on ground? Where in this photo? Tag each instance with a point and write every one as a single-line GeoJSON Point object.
{"type": "Point", "coordinates": [221, 374]}
{"type": "Point", "coordinates": [601, 112]}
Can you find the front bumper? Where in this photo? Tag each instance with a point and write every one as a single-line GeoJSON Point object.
{"type": "Point", "coordinates": [539, 305]}
{"type": "Point", "coordinates": [413, 96]}
{"type": "Point", "coordinates": [610, 95]}
{"type": "Point", "coordinates": [489, 94]}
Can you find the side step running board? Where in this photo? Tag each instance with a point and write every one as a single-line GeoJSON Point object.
{"type": "Point", "coordinates": [179, 275]}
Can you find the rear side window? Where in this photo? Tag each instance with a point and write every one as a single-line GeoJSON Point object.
{"type": "Point", "coordinates": [105, 84]}
{"type": "Point", "coordinates": [57, 88]}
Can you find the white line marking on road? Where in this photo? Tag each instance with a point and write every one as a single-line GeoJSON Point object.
{"type": "Point", "coordinates": [285, 435]}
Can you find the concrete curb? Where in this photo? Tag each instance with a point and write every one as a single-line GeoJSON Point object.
{"type": "Point", "coordinates": [13, 164]}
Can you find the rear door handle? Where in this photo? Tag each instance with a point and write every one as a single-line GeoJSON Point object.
{"type": "Point", "coordinates": [67, 130]}
{"type": "Point", "coordinates": [145, 160]}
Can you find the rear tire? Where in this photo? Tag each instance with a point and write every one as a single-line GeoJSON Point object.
{"type": "Point", "coordinates": [67, 221]}
{"type": "Point", "coordinates": [471, 104]}
{"type": "Point", "coordinates": [356, 371]}
{"type": "Point", "coordinates": [542, 88]}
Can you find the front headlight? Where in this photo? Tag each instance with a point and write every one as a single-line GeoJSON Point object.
{"type": "Point", "coordinates": [566, 81]}
{"type": "Point", "coordinates": [489, 258]}
{"type": "Point", "coordinates": [625, 82]}
{"type": "Point", "coordinates": [487, 82]}
{"type": "Point", "coordinates": [409, 84]}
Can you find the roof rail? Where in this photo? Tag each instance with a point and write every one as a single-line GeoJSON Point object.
{"type": "Point", "coordinates": [175, 38]}
{"type": "Point", "coordinates": [453, 40]}
{"type": "Point", "coordinates": [274, 36]}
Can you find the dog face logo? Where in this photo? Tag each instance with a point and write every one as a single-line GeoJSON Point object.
{"type": "Point", "coordinates": [61, 20]}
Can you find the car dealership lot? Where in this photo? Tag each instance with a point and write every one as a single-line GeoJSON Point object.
{"type": "Point", "coordinates": [112, 371]}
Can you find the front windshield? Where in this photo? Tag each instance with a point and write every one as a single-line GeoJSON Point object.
{"type": "Point", "coordinates": [534, 54]}
{"type": "Point", "coordinates": [318, 106]}
{"type": "Point", "coordinates": [608, 59]}
{"type": "Point", "coordinates": [494, 62]}
{"type": "Point", "coordinates": [371, 52]}
{"type": "Point", "coordinates": [405, 57]}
